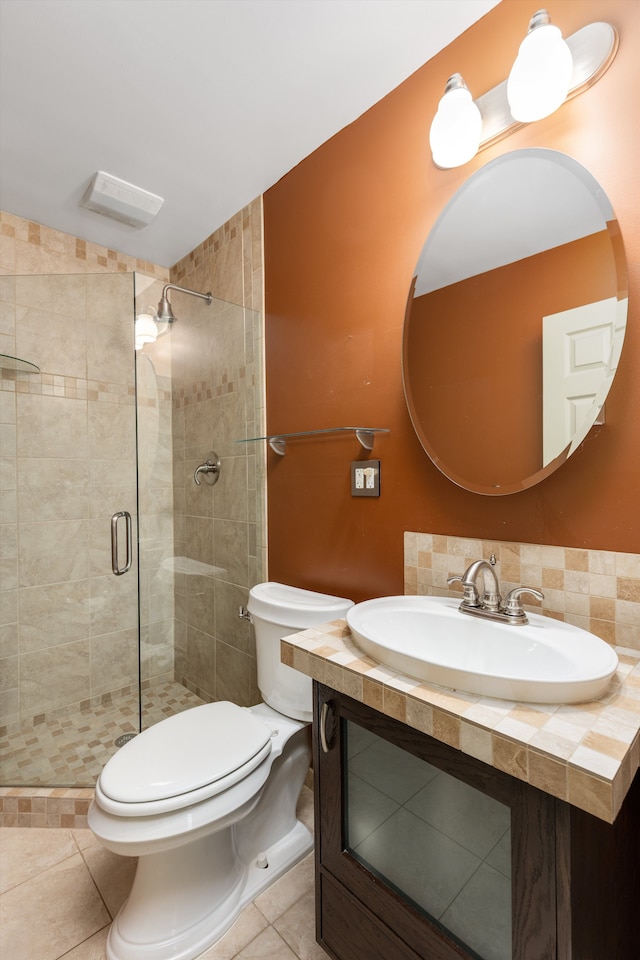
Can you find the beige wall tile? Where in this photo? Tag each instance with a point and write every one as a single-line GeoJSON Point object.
{"type": "Point", "coordinates": [69, 479]}
{"type": "Point", "coordinates": [8, 606]}
{"type": "Point", "coordinates": [53, 551]}
{"type": "Point", "coordinates": [51, 427]}
{"type": "Point", "coordinates": [111, 431]}
{"type": "Point", "coordinates": [53, 677]}
{"type": "Point", "coordinates": [114, 606]}
{"type": "Point", "coordinates": [55, 341]}
{"type": "Point", "coordinates": [55, 613]}
{"type": "Point", "coordinates": [596, 590]}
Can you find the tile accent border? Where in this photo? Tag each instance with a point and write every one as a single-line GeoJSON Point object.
{"type": "Point", "coordinates": [27, 247]}
{"type": "Point", "coordinates": [214, 387]}
{"type": "Point", "coordinates": [586, 754]}
{"type": "Point", "coordinates": [44, 807]}
{"type": "Point", "coordinates": [74, 388]}
{"type": "Point", "coordinates": [597, 590]}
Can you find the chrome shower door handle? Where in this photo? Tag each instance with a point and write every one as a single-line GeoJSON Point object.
{"type": "Point", "coordinates": [118, 571]}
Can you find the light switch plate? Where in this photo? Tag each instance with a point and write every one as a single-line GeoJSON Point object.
{"type": "Point", "coordinates": [365, 478]}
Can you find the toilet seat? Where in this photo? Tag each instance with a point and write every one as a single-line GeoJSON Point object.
{"type": "Point", "coordinates": [184, 759]}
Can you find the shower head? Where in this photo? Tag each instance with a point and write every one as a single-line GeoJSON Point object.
{"type": "Point", "coordinates": [165, 313]}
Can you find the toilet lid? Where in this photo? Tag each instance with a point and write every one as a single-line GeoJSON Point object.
{"type": "Point", "coordinates": [185, 752]}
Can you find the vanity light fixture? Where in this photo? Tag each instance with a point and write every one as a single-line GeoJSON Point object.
{"type": "Point", "coordinates": [584, 56]}
{"type": "Point", "coordinates": [539, 80]}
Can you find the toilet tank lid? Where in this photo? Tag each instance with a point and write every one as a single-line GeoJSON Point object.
{"type": "Point", "coordinates": [293, 606]}
{"type": "Point", "coordinates": [185, 752]}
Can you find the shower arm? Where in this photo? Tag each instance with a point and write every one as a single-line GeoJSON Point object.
{"type": "Point", "coordinates": [194, 293]}
{"type": "Point", "coordinates": [165, 313]}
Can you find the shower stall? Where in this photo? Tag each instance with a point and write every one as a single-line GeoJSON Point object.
{"type": "Point", "coordinates": [120, 578]}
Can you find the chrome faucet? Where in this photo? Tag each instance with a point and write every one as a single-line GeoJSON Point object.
{"type": "Point", "coordinates": [491, 605]}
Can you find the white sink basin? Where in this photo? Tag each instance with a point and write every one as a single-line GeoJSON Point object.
{"type": "Point", "coordinates": [545, 661]}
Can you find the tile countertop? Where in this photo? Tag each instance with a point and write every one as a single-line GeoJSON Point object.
{"type": "Point", "coordinates": [586, 754]}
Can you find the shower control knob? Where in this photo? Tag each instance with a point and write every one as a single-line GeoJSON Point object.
{"type": "Point", "coordinates": [210, 470]}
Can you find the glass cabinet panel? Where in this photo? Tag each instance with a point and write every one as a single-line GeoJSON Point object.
{"type": "Point", "coordinates": [437, 841]}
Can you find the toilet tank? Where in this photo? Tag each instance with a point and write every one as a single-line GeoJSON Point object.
{"type": "Point", "coordinates": [276, 611]}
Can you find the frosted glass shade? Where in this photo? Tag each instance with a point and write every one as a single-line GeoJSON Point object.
{"type": "Point", "coordinates": [455, 133]}
{"type": "Point", "coordinates": [540, 77]}
{"type": "Point", "coordinates": [146, 330]}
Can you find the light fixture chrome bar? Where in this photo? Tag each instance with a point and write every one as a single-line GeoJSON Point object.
{"type": "Point", "coordinates": [593, 49]}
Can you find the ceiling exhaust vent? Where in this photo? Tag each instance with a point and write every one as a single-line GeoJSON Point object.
{"type": "Point", "coordinates": [121, 201]}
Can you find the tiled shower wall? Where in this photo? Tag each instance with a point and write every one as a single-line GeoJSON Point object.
{"type": "Point", "coordinates": [216, 398]}
{"type": "Point", "coordinates": [220, 530]}
{"type": "Point", "coordinates": [68, 627]}
{"type": "Point", "coordinates": [597, 590]}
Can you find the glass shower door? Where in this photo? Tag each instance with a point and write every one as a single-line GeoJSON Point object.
{"type": "Point", "coordinates": [69, 627]}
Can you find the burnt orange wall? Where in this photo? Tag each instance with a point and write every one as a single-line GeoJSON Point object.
{"type": "Point", "coordinates": [343, 232]}
{"type": "Point", "coordinates": [468, 337]}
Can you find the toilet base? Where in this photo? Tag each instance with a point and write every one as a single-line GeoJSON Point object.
{"type": "Point", "coordinates": [130, 938]}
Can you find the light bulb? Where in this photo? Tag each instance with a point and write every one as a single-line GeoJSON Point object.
{"type": "Point", "coordinates": [540, 77]}
{"type": "Point", "coordinates": [455, 133]}
{"type": "Point", "coordinates": [146, 330]}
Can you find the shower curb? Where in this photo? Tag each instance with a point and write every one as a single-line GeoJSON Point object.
{"type": "Point", "coordinates": [52, 807]}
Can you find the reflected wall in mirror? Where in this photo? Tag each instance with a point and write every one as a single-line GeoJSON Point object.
{"type": "Point", "coordinates": [515, 321]}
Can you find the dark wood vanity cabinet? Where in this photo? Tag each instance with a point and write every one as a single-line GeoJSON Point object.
{"type": "Point", "coordinates": [525, 877]}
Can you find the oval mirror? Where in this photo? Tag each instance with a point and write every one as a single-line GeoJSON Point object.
{"type": "Point", "coordinates": [515, 321]}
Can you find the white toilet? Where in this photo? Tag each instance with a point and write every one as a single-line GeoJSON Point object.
{"type": "Point", "coordinates": [207, 798]}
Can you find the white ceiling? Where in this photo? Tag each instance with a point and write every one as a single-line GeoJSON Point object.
{"type": "Point", "coordinates": [204, 102]}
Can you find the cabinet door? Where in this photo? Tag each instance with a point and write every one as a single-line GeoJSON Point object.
{"type": "Point", "coordinates": [453, 856]}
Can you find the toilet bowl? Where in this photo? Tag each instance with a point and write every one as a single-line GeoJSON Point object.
{"type": "Point", "coordinates": [207, 799]}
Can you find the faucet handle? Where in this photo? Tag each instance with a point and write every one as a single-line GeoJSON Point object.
{"type": "Point", "coordinates": [513, 604]}
{"type": "Point", "coordinates": [470, 595]}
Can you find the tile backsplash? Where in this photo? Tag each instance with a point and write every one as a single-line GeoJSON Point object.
{"type": "Point", "coordinates": [598, 590]}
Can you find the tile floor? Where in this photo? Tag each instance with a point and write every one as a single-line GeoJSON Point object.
{"type": "Point", "coordinates": [59, 890]}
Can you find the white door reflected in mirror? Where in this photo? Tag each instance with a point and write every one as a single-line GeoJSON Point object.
{"type": "Point", "coordinates": [577, 362]}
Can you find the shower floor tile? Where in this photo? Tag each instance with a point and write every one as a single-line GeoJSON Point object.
{"type": "Point", "coordinates": [72, 749]}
